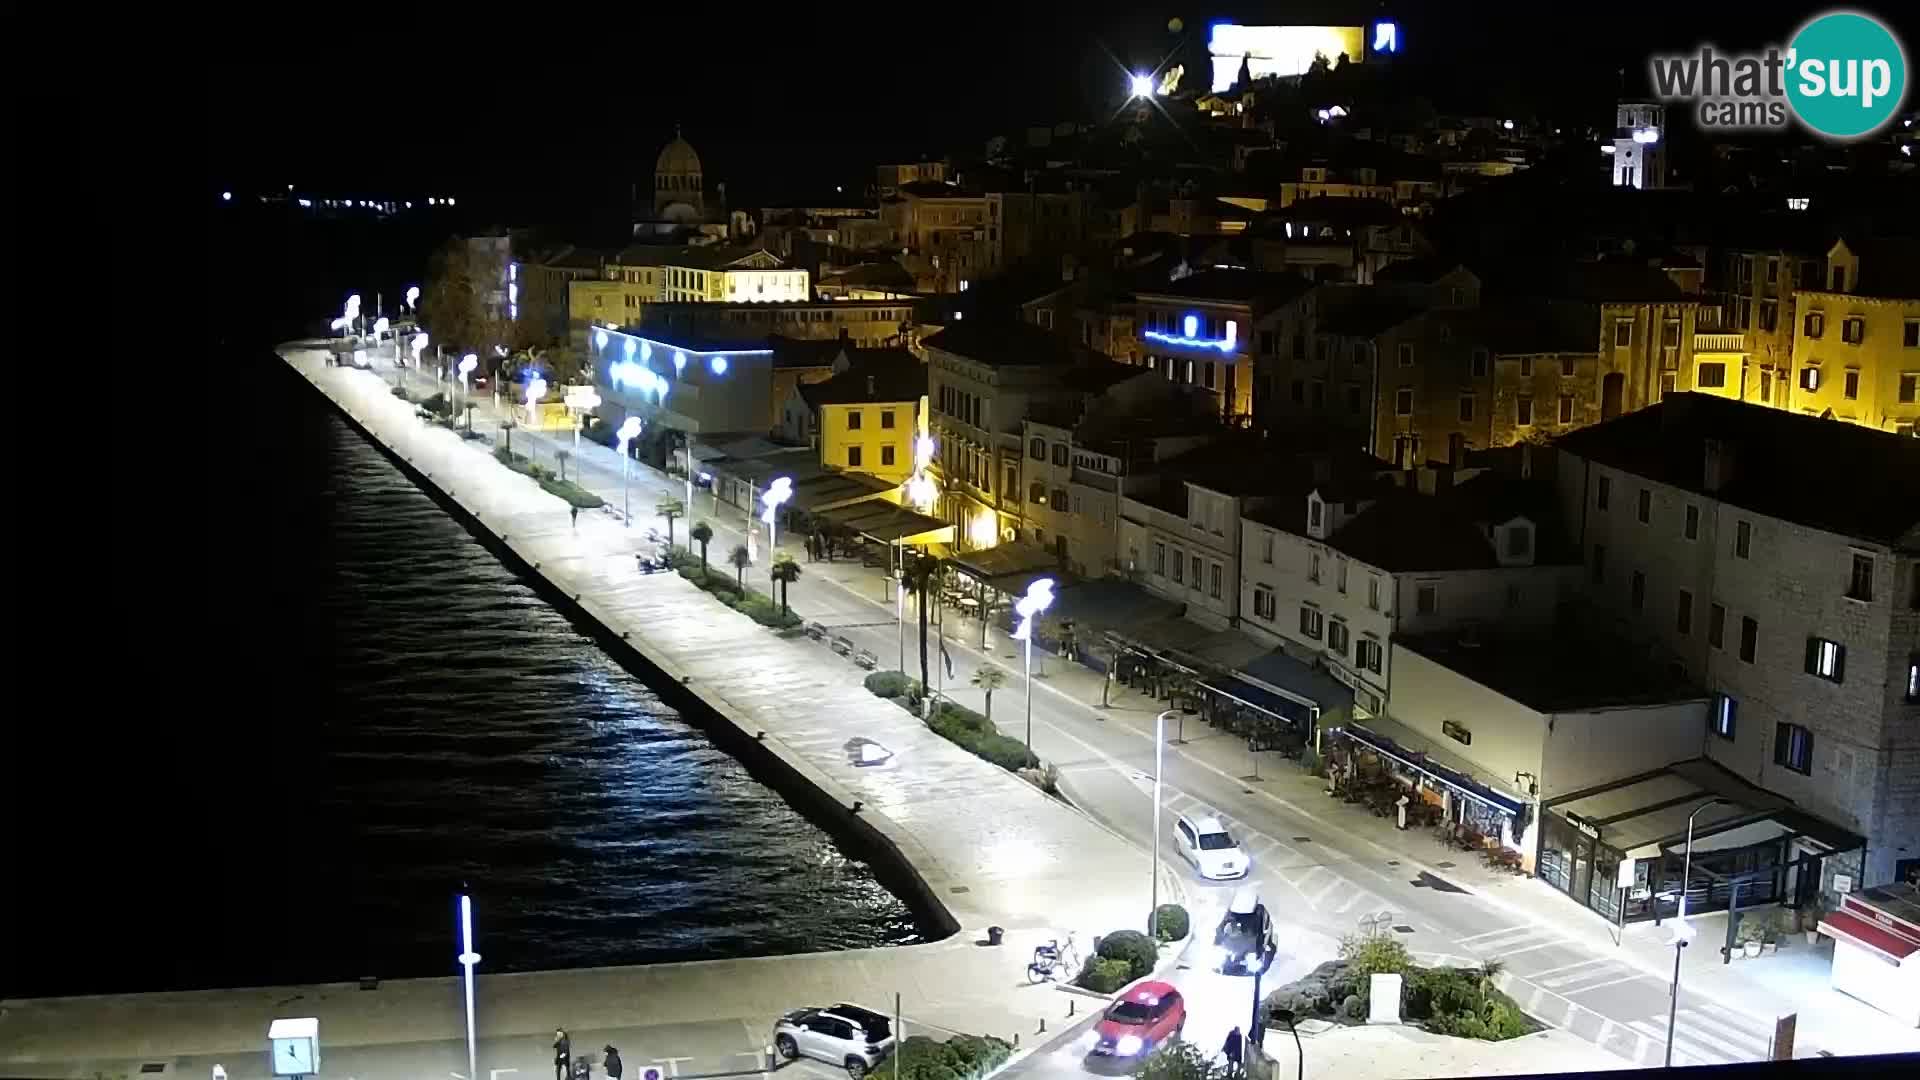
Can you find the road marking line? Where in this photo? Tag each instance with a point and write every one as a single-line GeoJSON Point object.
{"type": "Point", "coordinates": [1610, 982]}
{"type": "Point", "coordinates": [1494, 933]}
{"type": "Point", "coordinates": [1535, 975]}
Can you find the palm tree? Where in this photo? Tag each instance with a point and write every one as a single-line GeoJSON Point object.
{"type": "Point", "coordinates": [740, 560]}
{"type": "Point", "coordinates": [785, 572]}
{"type": "Point", "coordinates": [561, 456]}
{"type": "Point", "coordinates": [702, 534]}
{"type": "Point", "coordinates": [921, 574]}
{"type": "Point", "coordinates": [670, 508]}
{"type": "Point", "coordinates": [989, 678]}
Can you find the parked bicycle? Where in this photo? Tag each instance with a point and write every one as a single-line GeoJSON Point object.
{"type": "Point", "coordinates": [1054, 961]}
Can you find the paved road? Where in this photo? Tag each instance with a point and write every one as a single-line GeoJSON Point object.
{"type": "Point", "coordinates": [1321, 879]}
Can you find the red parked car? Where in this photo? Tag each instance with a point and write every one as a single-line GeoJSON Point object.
{"type": "Point", "coordinates": [1145, 1017]}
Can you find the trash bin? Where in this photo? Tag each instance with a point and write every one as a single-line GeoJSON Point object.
{"type": "Point", "coordinates": [994, 934]}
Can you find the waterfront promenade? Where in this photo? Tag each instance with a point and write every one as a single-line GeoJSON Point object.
{"type": "Point", "coordinates": [987, 848]}
{"type": "Point", "coordinates": [1324, 864]}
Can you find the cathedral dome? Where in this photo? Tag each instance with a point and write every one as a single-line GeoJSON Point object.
{"type": "Point", "coordinates": [678, 159]}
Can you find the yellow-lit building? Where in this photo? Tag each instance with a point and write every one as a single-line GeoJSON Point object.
{"type": "Point", "coordinates": [1856, 351]}
{"type": "Point", "coordinates": [648, 274]}
{"type": "Point", "coordinates": [869, 414]}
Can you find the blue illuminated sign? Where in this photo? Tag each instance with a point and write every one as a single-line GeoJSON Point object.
{"type": "Point", "coordinates": [1386, 37]}
{"type": "Point", "coordinates": [1192, 339]}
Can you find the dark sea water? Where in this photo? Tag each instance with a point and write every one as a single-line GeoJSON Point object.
{"type": "Point", "coordinates": [352, 708]}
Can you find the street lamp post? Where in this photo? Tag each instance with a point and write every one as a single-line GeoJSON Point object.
{"type": "Point", "coordinates": [1153, 891]}
{"type": "Point", "coordinates": [900, 612]}
{"type": "Point", "coordinates": [467, 364]}
{"type": "Point", "coordinates": [418, 345]}
{"type": "Point", "coordinates": [779, 490]}
{"type": "Point", "coordinates": [1682, 930]}
{"type": "Point", "coordinates": [1285, 1016]}
{"type": "Point", "coordinates": [536, 389]}
{"type": "Point", "coordinates": [629, 431]}
{"type": "Point", "coordinates": [468, 958]}
{"type": "Point", "coordinates": [1039, 598]}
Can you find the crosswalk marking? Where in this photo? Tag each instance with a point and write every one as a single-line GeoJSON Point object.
{"type": "Point", "coordinates": [1538, 976]}
{"type": "Point", "coordinates": [1494, 933]}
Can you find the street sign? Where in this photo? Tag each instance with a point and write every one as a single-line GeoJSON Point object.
{"type": "Point", "coordinates": [1624, 878]}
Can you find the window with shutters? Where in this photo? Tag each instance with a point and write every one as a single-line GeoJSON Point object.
{"type": "Point", "coordinates": [1311, 622]}
{"type": "Point", "coordinates": [1860, 579]}
{"type": "Point", "coordinates": [1826, 659]}
{"type": "Point", "coordinates": [1793, 748]}
{"type": "Point", "coordinates": [1749, 638]}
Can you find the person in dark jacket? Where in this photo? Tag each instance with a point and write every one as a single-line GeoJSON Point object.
{"type": "Point", "coordinates": [1232, 1051]}
{"type": "Point", "coordinates": [562, 1050]}
{"type": "Point", "coordinates": [612, 1063]}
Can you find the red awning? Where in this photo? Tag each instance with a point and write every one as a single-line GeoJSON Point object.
{"type": "Point", "coordinates": [1868, 936]}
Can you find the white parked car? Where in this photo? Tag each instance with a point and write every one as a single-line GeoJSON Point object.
{"type": "Point", "coordinates": [849, 1036]}
{"type": "Point", "coordinates": [1203, 841]}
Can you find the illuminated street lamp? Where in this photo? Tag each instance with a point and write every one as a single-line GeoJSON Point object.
{"type": "Point", "coordinates": [920, 490]}
{"type": "Point", "coordinates": [1141, 85]}
{"type": "Point", "coordinates": [467, 364]}
{"type": "Point", "coordinates": [536, 389]}
{"type": "Point", "coordinates": [413, 294]}
{"type": "Point", "coordinates": [468, 958]}
{"type": "Point", "coordinates": [586, 403]}
{"type": "Point", "coordinates": [779, 491]}
{"type": "Point", "coordinates": [1038, 599]}
{"type": "Point", "coordinates": [419, 345]}
{"type": "Point", "coordinates": [629, 431]}
{"type": "Point", "coordinates": [1153, 888]}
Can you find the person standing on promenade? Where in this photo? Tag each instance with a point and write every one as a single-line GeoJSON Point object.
{"type": "Point", "coordinates": [612, 1063]}
{"type": "Point", "coordinates": [1232, 1051]}
{"type": "Point", "coordinates": [562, 1050]}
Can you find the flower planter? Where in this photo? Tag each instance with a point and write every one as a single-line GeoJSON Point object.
{"type": "Point", "coordinates": [1752, 949]}
{"type": "Point", "coordinates": [1813, 937]}
{"type": "Point", "coordinates": [1767, 947]}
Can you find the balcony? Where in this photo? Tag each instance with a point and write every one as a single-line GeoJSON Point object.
{"type": "Point", "coordinates": [1723, 342]}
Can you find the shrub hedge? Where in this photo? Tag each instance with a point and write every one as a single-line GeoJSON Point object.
{"type": "Point", "coordinates": [963, 1057]}
{"type": "Point", "coordinates": [749, 602]}
{"type": "Point", "coordinates": [1170, 922]}
{"type": "Point", "coordinates": [1104, 976]}
{"type": "Point", "coordinates": [565, 490]}
{"type": "Point", "coordinates": [1133, 947]}
{"type": "Point", "coordinates": [889, 684]}
{"type": "Point", "coordinates": [971, 732]}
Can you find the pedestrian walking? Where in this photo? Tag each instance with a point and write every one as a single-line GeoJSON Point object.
{"type": "Point", "coordinates": [1232, 1051]}
{"type": "Point", "coordinates": [562, 1050]}
{"type": "Point", "coordinates": [574, 513]}
{"type": "Point", "coordinates": [612, 1063]}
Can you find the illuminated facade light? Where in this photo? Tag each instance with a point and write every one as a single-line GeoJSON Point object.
{"type": "Point", "coordinates": [1508, 124]}
{"type": "Point", "coordinates": [679, 361]}
{"type": "Point", "coordinates": [1386, 37]}
{"type": "Point", "coordinates": [599, 339]}
{"type": "Point", "coordinates": [226, 196]}
{"type": "Point", "coordinates": [717, 365]}
{"type": "Point", "coordinates": [1646, 136]}
{"type": "Point", "coordinates": [984, 530]}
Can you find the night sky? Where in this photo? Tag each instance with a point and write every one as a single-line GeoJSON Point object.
{"type": "Point", "coordinates": [579, 101]}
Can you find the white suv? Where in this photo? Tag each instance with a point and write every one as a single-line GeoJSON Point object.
{"type": "Point", "coordinates": [1203, 841]}
{"type": "Point", "coordinates": [847, 1035]}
